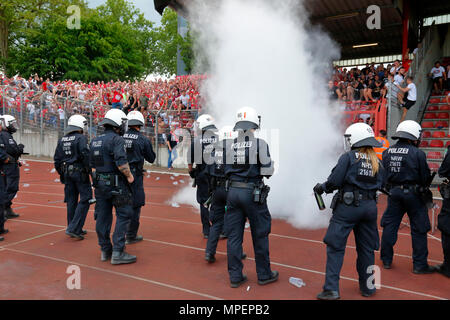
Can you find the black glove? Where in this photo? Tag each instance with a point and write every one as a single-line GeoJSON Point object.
{"type": "Point", "coordinates": [319, 189]}
{"type": "Point", "coordinates": [193, 173]}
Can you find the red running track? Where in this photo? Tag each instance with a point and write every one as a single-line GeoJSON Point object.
{"type": "Point", "coordinates": [36, 254]}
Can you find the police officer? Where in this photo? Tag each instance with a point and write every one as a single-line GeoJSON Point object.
{"type": "Point", "coordinates": [11, 169]}
{"type": "Point", "coordinates": [201, 146]}
{"type": "Point", "coordinates": [444, 216]}
{"type": "Point", "coordinates": [217, 180]}
{"type": "Point", "coordinates": [71, 161]}
{"type": "Point", "coordinates": [3, 160]}
{"type": "Point", "coordinates": [407, 178]}
{"type": "Point", "coordinates": [138, 149]}
{"type": "Point", "coordinates": [357, 177]}
{"type": "Point", "coordinates": [247, 163]}
{"type": "Point", "coordinates": [112, 178]}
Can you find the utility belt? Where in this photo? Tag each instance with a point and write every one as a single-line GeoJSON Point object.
{"type": "Point", "coordinates": [72, 168]}
{"type": "Point", "coordinates": [260, 190]}
{"type": "Point", "coordinates": [109, 179]}
{"type": "Point", "coordinates": [218, 181]}
{"type": "Point", "coordinates": [12, 160]}
{"type": "Point", "coordinates": [352, 197]}
{"type": "Point", "coordinates": [406, 187]}
{"type": "Point", "coordinates": [121, 193]}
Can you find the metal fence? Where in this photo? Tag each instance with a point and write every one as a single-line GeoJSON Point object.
{"type": "Point", "coordinates": [42, 119]}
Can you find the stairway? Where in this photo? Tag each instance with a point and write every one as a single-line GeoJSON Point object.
{"type": "Point", "coordinates": [435, 131]}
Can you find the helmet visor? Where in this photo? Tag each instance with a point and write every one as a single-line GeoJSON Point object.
{"type": "Point", "coordinates": [347, 144]}
{"type": "Point", "coordinates": [13, 126]}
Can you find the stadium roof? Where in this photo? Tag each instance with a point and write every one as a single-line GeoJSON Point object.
{"type": "Point", "coordinates": [345, 21]}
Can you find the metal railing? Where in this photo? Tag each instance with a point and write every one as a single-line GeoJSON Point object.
{"type": "Point", "coordinates": [42, 118]}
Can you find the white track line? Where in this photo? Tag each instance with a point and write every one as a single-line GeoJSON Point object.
{"type": "Point", "coordinates": [119, 274]}
{"type": "Point", "coordinates": [223, 253]}
{"type": "Point", "coordinates": [32, 238]}
{"type": "Point", "coordinates": [197, 223]}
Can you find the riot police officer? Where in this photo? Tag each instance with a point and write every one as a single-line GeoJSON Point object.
{"type": "Point", "coordinates": [112, 177]}
{"type": "Point", "coordinates": [248, 162]}
{"type": "Point", "coordinates": [138, 149]}
{"type": "Point", "coordinates": [3, 160]}
{"type": "Point", "coordinates": [357, 177]}
{"type": "Point", "coordinates": [218, 194]}
{"type": "Point", "coordinates": [407, 178]}
{"type": "Point", "coordinates": [444, 215]}
{"type": "Point", "coordinates": [71, 161]}
{"type": "Point", "coordinates": [11, 169]}
{"type": "Point", "coordinates": [201, 146]}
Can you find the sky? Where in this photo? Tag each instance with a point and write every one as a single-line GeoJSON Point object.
{"type": "Point", "coordinates": [146, 6]}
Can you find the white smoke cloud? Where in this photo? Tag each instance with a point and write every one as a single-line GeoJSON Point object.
{"type": "Point", "coordinates": [264, 54]}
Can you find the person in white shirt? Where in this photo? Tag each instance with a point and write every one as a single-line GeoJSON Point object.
{"type": "Point", "coordinates": [410, 94]}
{"type": "Point", "coordinates": [439, 76]}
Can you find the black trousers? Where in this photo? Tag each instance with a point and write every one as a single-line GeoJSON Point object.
{"type": "Point", "coordinates": [363, 221]}
{"type": "Point", "coordinates": [240, 206]}
{"type": "Point", "coordinates": [398, 203]}
{"type": "Point", "coordinates": [216, 216]}
{"type": "Point", "coordinates": [12, 173]}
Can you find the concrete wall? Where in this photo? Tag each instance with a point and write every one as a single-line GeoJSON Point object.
{"type": "Point", "coordinates": [446, 46]}
{"type": "Point", "coordinates": [36, 145]}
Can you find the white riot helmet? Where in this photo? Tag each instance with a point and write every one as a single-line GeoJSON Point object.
{"type": "Point", "coordinates": [76, 123]}
{"type": "Point", "coordinates": [206, 122]}
{"type": "Point", "coordinates": [226, 133]}
{"type": "Point", "coordinates": [247, 118]}
{"type": "Point", "coordinates": [116, 118]}
{"type": "Point", "coordinates": [135, 118]}
{"type": "Point", "coordinates": [408, 129]}
{"type": "Point", "coordinates": [10, 123]}
{"type": "Point", "coordinates": [360, 135]}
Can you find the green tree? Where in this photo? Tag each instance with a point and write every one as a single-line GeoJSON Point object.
{"type": "Point", "coordinates": [18, 18]}
{"type": "Point", "coordinates": [100, 50]}
{"type": "Point", "coordinates": [167, 41]}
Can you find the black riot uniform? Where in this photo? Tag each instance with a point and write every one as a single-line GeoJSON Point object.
{"type": "Point", "coordinates": [3, 158]}
{"type": "Point", "coordinates": [247, 163]}
{"type": "Point", "coordinates": [201, 148]}
{"type": "Point", "coordinates": [407, 177]}
{"type": "Point", "coordinates": [11, 169]}
{"type": "Point", "coordinates": [138, 148]}
{"type": "Point", "coordinates": [71, 161]}
{"type": "Point", "coordinates": [354, 208]}
{"type": "Point", "coordinates": [107, 153]}
{"type": "Point", "coordinates": [444, 216]}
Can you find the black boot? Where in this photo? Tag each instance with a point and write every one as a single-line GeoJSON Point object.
{"type": "Point", "coordinates": [273, 278]}
{"type": "Point", "coordinates": [244, 255]}
{"type": "Point", "coordinates": [328, 295]}
{"type": "Point", "coordinates": [106, 255]}
{"type": "Point", "coordinates": [210, 258]}
{"type": "Point", "coordinates": [443, 269]}
{"type": "Point", "coordinates": [427, 270]}
{"type": "Point", "coordinates": [10, 214]}
{"type": "Point", "coordinates": [134, 240]}
{"type": "Point", "coordinates": [83, 232]}
{"type": "Point", "coordinates": [74, 235]}
{"type": "Point", "coordinates": [4, 231]}
{"type": "Point", "coordinates": [119, 257]}
{"type": "Point", "coordinates": [237, 284]}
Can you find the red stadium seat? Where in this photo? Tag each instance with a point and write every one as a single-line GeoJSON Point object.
{"type": "Point", "coordinates": [426, 134]}
{"type": "Point", "coordinates": [447, 144]}
{"type": "Point", "coordinates": [434, 155]}
{"type": "Point", "coordinates": [430, 115]}
{"type": "Point", "coordinates": [441, 124]}
{"type": "Point", "coordinates": [442, 115]}
{"type": "Point", "coordinates": [428, 124]}
{"type": "Point", "coordinates": [436, 144]}
{"type": "Point", "coordinates": [433, 108]}
{"type": "Point", "coordinates": [433, 166]}
{"type": "Point", "coordinates": [434, 100]}
{"type": "Point", "coordinates": [444, 108]}
{"type": "Point", "coordinates": [438, 134]}
{"type": "Point", "coordinates": [424, 144]}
